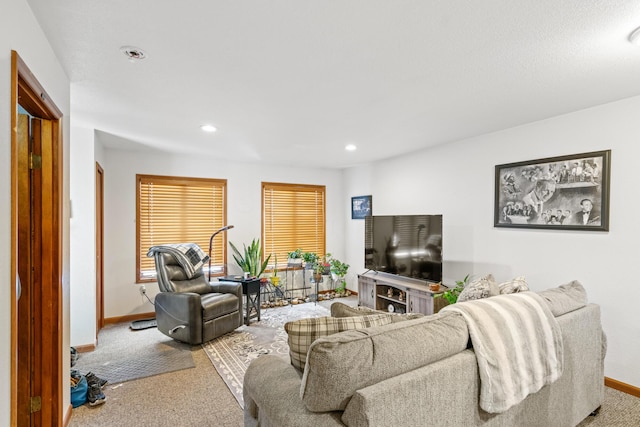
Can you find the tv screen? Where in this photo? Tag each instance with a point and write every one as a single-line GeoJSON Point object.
{"type": "Point", "coordinates": [406, 245]}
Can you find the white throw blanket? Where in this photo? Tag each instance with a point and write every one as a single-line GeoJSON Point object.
{"type": "Point", "coordinates": [518, 345]}
{"type": "Point", "coordinates": [189, 255]}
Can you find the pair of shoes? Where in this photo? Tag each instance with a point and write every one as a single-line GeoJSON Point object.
{"type": "Point", "coordinates": [94, 379]}
{"type": "Point", "coordinates": [95, 396]}
{"type": "Point", "coordinates": [74, 356]}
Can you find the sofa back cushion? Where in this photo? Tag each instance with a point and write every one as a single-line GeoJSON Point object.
{"type": "Point", "coordinates": [565, 298]}
{"type": "Point", "coordinates": [302, 333]}
{"type": "Point", "coordinates": [340, 364]}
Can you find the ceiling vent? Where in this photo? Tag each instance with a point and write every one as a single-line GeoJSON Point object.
{"type": "Point", "coordinates": [133, 53]}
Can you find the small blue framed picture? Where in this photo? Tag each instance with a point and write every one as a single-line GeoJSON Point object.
{"type": "Point", "coordinates": [360, 207]}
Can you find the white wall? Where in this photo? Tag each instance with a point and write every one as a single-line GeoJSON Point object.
{"type": "Point", "coordinates": [20, 31]}
{"type": "Point", "coordinates": [83, 233]}
{"type": "Point", "coordinates": [122, 296]}
{"type": "Point", "coordinates": [457, 180]}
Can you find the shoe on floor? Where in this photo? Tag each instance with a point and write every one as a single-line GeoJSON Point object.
{"type": "Point", "coordinates": [95, 396]}
{"type": "Point", "coordinates": [93, 378]}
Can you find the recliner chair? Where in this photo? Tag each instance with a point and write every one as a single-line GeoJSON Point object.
{"type": "Point", "coordinates": [193, 310]}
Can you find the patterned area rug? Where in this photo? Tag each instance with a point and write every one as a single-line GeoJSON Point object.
{"type": "Point", "coordinates": [232, 353]}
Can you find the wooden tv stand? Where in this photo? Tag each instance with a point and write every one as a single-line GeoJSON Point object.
{"type": "Point", "coordinates": [388, 292]}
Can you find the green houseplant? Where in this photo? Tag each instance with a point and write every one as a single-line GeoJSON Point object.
{"type": "Point", "coordinates": [249, 261]}
{"type": "Point", "coordinates": [310, 259]}
{"type": "Point", "coordinates": [452, 294]}
{"type": "Point", "coordinates": [339, 270]}
{"type": "Point", "coordinates": [294, 258]}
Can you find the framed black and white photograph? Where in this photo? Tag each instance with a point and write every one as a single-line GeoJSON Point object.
{"type": "Point", "coordinates": [360, 207]}
{"type": "Point", "coordinates": [567, 193]}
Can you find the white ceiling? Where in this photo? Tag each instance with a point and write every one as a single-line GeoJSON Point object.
{"type": "Point", "coordinates": [295, 81]}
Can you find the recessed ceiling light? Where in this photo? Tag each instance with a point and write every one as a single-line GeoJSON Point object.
{"type": "Point", "coordinates": [634, 37]}
{"type": "Point", "coordinates": [133, 53]}
{"type": "Point", "coordinates": [208, 128]}
{"type": "Point", "coordinates": [350, 147]}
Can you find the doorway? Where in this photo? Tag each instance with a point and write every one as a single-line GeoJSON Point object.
{"type": "Point", "coordinates": [36, 253]}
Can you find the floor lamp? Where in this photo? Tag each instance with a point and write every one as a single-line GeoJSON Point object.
{"type": "Point", "coordinates": [225, 228]}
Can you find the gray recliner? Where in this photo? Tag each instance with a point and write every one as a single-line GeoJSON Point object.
{"type": "Point", "coordinates": [193, 310]}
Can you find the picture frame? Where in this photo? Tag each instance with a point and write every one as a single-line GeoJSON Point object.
{"type": "Point", "coordinates": [361, 207]}
{"type": "Point", "coordinates": [561, 193]}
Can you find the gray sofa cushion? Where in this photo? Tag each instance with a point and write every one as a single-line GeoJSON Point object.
{"type": "Point", "coordinates": [565, 298]}
{"type": "Point", "coordinates": [340, 364]}
{"type": "Point", "coordinates": [339, 309]}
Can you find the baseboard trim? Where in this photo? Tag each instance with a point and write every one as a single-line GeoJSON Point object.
{"type": "Point", "coordinates": [85, 348]}
{"type": "Point", "coordinates": [129, 318]}
{"type": "Point", "coordinates": [67, 416]}
{"type": "Point", "coordinates": [623, 387]}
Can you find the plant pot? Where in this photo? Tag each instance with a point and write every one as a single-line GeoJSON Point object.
{"type": "Point", "coordinates": [317, 277]}
{"type": "Point", "coordinates": [294, 262]}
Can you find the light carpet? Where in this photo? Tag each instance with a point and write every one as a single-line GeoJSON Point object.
{"type": "Point", "coordinates": [232, 353]}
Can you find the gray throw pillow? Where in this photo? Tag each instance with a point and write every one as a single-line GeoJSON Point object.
{"type": "Point", "coordinates": [519, 284]}
{"type": "Point", "coordinates": [484, 287]}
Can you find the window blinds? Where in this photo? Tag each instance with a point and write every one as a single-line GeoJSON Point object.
{"type": "Point", "coordinates": [179, 210]}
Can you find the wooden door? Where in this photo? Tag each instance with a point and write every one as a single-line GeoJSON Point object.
{"type": "Point", "coordinates": [36, 253]}
{"type": "Point", "coordinates": [26, 386]}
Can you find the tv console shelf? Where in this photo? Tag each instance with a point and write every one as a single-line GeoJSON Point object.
{"type": "Point", "coordinates": [388, 292]}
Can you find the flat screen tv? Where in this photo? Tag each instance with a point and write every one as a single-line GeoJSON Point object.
{"type": "Point", "coordinates": [406, 245]}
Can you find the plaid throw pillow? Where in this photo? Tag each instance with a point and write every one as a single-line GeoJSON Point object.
{"type": "Point", "coordinates": [302, 333]}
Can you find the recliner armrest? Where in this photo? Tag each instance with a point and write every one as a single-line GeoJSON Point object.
{"type": "Point", "coordinates": [174, 309]}
{"type": "Point", "coordinates": [227, 288]}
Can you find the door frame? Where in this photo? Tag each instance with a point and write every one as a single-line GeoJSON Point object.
{"type": "Point", "coordinates": [99, 248]}
{"type": "Point", "coordinates": [27, 91]}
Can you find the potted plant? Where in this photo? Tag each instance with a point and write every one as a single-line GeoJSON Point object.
{"type": "Point", "coordinates": [318, 269]}
{"type": "Point", "coordinates": [294, 258]}
{"type": "Point", "coordinates": [275, 280]}
{"type": "Point", "coordinates": [451, 295]}
{"type": "Point", "coordinates": [249, 261]}
{"type": "Point", "coordinates": [338, 271]}
{"type": "Point", "coordinates": [310, 259]}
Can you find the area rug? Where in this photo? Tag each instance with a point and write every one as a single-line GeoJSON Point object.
{"type": "Point", "coordinates": [232, 353]}
{"type": "Point", "coordinates": [124, 355]}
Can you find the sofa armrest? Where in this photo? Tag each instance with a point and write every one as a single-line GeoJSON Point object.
{"type": "Point", "coordinates": [272, 396]}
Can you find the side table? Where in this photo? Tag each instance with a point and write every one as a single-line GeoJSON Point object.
{"type": "Point", "coordinates": [251, 291]}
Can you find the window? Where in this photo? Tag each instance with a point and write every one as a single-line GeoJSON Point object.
{"type": "Point", "coordinates": [293, 216]}
{"type": "Point", "coordinates": [179, 210]}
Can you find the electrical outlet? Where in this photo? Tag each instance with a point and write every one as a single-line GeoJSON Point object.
{"type": "Point", "coordinates": [143, 289]}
